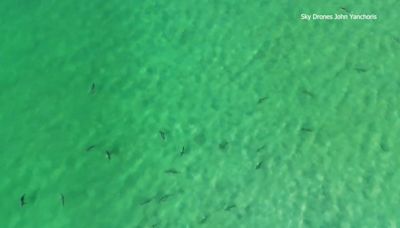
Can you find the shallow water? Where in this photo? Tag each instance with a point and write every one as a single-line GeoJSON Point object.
{"type": "Point", "coordinates": [284, 123]}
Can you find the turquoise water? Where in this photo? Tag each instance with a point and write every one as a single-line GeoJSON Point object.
{"type": "Point", "coordinates": [284, 122]}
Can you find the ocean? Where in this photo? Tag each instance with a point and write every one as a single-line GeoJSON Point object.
{"type": "Point", "coordinates": [219, 114]}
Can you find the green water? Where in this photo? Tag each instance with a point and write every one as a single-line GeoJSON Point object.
{"type": "Point", "coordinates": [285, 123]}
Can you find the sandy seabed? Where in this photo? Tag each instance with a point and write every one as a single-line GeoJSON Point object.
{"type": "Point", "coordinates": [214, 114]}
